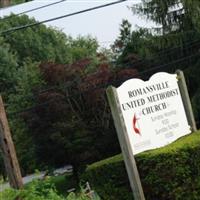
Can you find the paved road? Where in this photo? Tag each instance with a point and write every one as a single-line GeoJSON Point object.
{"type": "Point", "coordinates": [29, 178]}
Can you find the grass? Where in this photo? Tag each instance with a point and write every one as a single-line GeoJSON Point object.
{"type": "Point", "coordinates": [168, 173]}
{"type": "Point", "coordinates": [63, 183]}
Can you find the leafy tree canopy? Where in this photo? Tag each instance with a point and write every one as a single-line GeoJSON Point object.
{"type": "Point", "coordinates": [173, 15]}
{"type": "Point", "coordinates": [178, 21]}
{"type": "Point", "coordinates": [40, 43]}
{"type": "Point", "coordinates": [174, 44]}
{"type": "Point", "coordinates": [21, 79]}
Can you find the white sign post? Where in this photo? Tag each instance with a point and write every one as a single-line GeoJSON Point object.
{"type": "Point", "coordinates": [147, 115]}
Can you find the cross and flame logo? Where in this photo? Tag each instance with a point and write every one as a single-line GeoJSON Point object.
{"type": "Point", "coordinates": [135, 122]}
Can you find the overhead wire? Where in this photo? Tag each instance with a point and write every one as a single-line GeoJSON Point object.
{"type": "Point", "coordinates": [164, 52]}
{"type": "Point", "coordinates": [104, 85]}
{"type": "Point", "coordinates": [60, 17]}
{"type": "Point", "coordinates": [31, 10]}
{"type": "Point", "coordinates": [69, 84]}
{"type": "Point", "coordinates": [141, 61]}
{"type": "Point", "coordinates": [82, 11]}
{"type": "Point", "coordinates": [155, 56]}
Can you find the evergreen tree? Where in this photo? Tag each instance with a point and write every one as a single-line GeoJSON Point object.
{"type": "Point", "coordinates": [123, 39]}
{"type": "Point", "coordinates": [172, 15]}
{"type": "Point", "coordinates": [179, 33]}
{"type": "Point", "coordinates": [177, 37]}
{"type": "Point", "coordinates": [22, 79]}
{"type": "Point", "coordinates": [8, 68]}
{"type": "Point", "coordinates": [174, 44]}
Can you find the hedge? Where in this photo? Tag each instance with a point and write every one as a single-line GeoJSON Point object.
{"type": "Point", "coordinates": [168, 173]}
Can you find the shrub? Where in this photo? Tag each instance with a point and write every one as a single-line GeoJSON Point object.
{"type": "Point", "coordinates": [42, 190]}
{"type": "Point", "coordinates": [168, 173]}
{"type": "Point", "coordinates": [37, 190]}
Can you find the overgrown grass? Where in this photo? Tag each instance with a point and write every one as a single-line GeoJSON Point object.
{"type": "Point", "coordinates": [48, 189]}
{"type": "Point", "coordinates": [63, 183]}
{"type": "Point", "coordinates": [168, 173]}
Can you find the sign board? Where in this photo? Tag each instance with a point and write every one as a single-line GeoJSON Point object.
{"type": "Point", "coordinates": [153, 111]}
{"type": "Point", "coordinates": [148, 115]}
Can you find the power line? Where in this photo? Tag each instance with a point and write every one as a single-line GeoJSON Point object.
{"type": "Point", "coordinates": [70, 83]}
{"type": "Point", "coordinates": [140, 61]}
{"type": "Point", "coordinates": [167, 64]}
{"type": "Point", "coordinates": [103, 86]}
{"type": "Point", "coordinates": [185, 46]}
{"type": "Point", "coordinates": [32, 107]}
{"type": "Point", "coordinates": [33, 9]}
{"type": "Point", "coordinates": [164, 52]}
{"type": "Point", "coordinates": [60, 17]}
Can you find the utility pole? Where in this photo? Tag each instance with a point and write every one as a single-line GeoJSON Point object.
{"type": "Point", "coordinates": [5, 3]}
{"type": "Point", "coordinates": [8, 151]}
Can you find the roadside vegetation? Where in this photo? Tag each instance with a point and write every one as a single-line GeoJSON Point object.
{"type": "Point", "coordinates": [53, 87]}
{"type": "Point", "coordinates": [166, 173]}
{"type": "Point", "coordinates": [45, 189]}
{"type": "Point", "coordinates": [171, 172]}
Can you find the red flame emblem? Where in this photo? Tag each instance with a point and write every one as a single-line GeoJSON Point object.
{"type": "Point", "coordinates": [136, 130]}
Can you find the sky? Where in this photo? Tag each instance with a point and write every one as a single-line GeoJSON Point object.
{"type": "Point", "coordinates": [103, 24]}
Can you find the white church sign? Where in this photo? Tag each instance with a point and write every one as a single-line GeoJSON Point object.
{"type": "Point", "coordinates": [153, 111]}
{"type": "Point", "coordinates": [148, 115]}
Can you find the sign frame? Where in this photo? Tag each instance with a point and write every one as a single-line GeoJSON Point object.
{"type": "Point", "coordinates": [125, 145]}
{"type": "Point", "coordinates": [122, 133]}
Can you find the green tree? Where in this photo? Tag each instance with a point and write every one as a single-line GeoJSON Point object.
{"type": "Point", "coordinates": [175, 45]}
{"type": "Point", "coordinates": [124, 37]}
{"type": "Point", "coordinates": [174, 38]}
{"type": "Point", "coordinates": [28, 78]}
{"type": "Point", "coordinates": [43, 44]}
{"type": "Point", "coordinates": [83, 47]}
{"type": "Point", "coordinates": [179, 33]}
{"type": "Point", "coordinates": [173, 16]}
{"type": "Point", "coordinates": [8, 68]}
{"type": "Point", "coordinates": [38, 43]}
{"type": "Point", "coordinates": [40, 132]}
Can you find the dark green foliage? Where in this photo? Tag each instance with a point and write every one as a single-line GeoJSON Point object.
{"type": "Point", "coordinates": [167, 173]}
{"type": "Point", "coordinates": [43, 135]}
{"type": "Point", "coordinates": [28, 78]}
{"type": "Point", "coordinates": [174, 45]}
{"type": "Point", "coordinates": [8, 68]}
{"type": "Point", "coordinates": [74, 126]}
{"type": "Point", "coordinates": [44, 44]}
{"type": "Point", "coordinates": [124, 37]}
{"type": "Point", "coordinates": [38, 43]}
{"type": "Point", "coordinates": [178, 22]}
{"type": "Point", "coordinates": [37, 190]}
{"type": "Point", "coordinates": [110, 179]}
{"type": "Point", "coordinates": [176, 39]}
{"type": "Point", "coordinates": [45, 190]}
{"type": "Point", "coordinates": [173, 15]}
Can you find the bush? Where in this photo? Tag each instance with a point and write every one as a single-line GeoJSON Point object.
{"type": "Point", "coordinates": [168, 173]}
{"type": "Point", "coordinates": [42, 190]}
{"type": "Point", "coordinates": [37, 190]}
